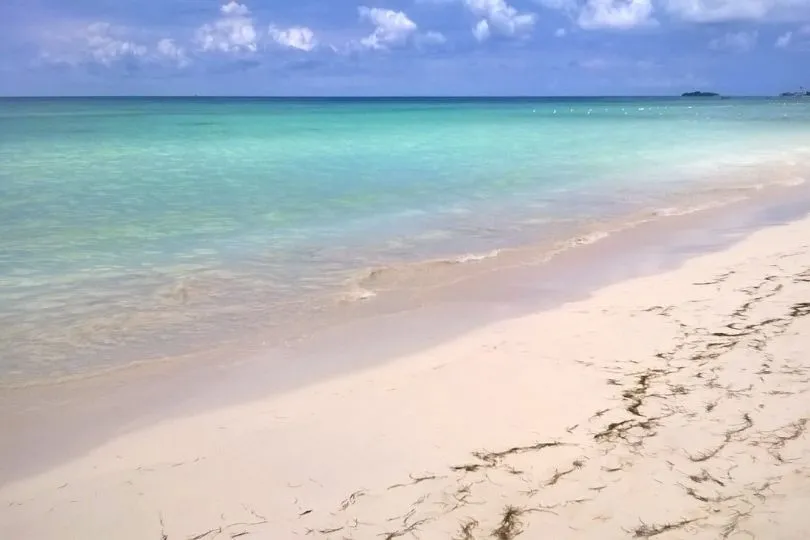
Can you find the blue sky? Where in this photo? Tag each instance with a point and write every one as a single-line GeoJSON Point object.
{"type": "Point", "coordinates": [402, 47]}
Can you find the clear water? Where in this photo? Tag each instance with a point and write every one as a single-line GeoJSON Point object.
{"type": "Point", "coordinates": [139, 227]}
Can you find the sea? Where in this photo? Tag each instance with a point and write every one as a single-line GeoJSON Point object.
{"type": "Point", "coordinates": [143, 229]}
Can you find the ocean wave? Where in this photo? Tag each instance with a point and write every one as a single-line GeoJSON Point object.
{"type": "Point", "coordinates": [368, 283]}
{"type": "Point", "coordinates": [675, 211]}
{"type": "Point", "coordinates": [432, 273]}
{"type": "Point", "coordinates": [586, 239]}
{"type": "Point", "coordinates": [473, 257]}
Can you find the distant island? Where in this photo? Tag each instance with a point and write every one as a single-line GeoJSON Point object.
{"type": "Point", "coordinates": [699, 94]}
{"type": "Point", "coordinates": [801, 93]}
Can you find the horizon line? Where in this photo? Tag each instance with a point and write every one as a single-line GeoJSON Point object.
{"type": "Point", "coordinates": [370, 96]}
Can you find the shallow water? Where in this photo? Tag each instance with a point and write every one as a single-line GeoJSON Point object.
{"type": "Point", "coordinates": [137, 228]}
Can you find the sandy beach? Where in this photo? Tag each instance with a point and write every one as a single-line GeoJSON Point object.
{"type": "Point", "coordinates": [668, 406]}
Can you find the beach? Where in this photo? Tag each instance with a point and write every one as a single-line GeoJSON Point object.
{"type": "Point", "coordinates": [371, 318]}
{"type": "Point", "coordinates": [672, 404]}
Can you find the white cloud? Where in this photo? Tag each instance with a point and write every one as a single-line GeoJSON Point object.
{"type": "Point", "coordinates": [560, 32]}
{"type": "Point", "coordinates": [235, 9]}
{"type": "Point", "coordinates": [481, 30]}
{"type": "Point", "coordinates": [616, 14]}
{"type": "Point", "coordinates": [106, 48]}
{"type": "Point", "coordinates": [295, 37]}
{"type": "Point", "coordinates": [735, 41]}
{"type": "Point", "coordinates": [784, 40]}
{"type": "Point", "coordinates": [233, 32]}
{"type": "Point", "coordinates": [730, 10]}
{"type": "Point", "coordinates": [498, 17]}
{"type": "Point", "coordinates": [167, 49]}
{"type": "Point", "coordinates": [794, 39]}
{"type": "Point", "coordinates": [392, 28]}
{"type": "Point", "coordinates": [431, 38]}
{"type": "Point", "coordinates": [100, 43]}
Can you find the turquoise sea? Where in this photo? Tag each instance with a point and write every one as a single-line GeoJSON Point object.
{"type": "Point", "coordinates": [135, 228]}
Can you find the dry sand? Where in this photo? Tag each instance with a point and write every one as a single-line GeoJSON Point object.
{"type": "Point", "coordinates": [671, 406]}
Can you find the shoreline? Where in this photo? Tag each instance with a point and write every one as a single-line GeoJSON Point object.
{"type": "Point", "coordinates": [393, 283]}
{"type": "Point", "coordinates": [131, 399]}
{"type": "Point", "coordinates": [359, 297]}
{"type": "Point", "coordinates": [703, 404]}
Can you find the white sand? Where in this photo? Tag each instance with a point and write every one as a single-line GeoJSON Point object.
{"type": "Point", "coordinates": [679, 404]}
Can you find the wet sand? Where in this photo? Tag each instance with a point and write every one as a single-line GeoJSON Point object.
{"type": "Point", "coordinates": [672, 405]}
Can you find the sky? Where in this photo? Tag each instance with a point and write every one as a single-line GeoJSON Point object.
{"type": "Point", "coordinates": [403, 47]}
